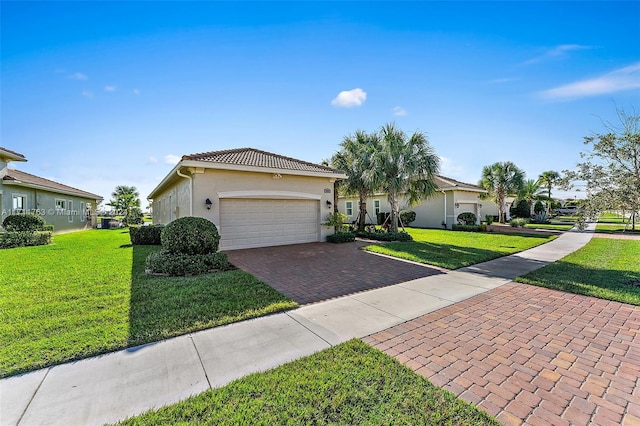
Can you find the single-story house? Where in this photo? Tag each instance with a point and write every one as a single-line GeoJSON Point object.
{"type": "Point", "coordinates": [255, 198]}
{"type": "Point", "coordinates": [64, 207]}
{"type": "Point", "coordinates": [439, 211]}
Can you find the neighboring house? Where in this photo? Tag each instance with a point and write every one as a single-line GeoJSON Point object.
{"type": "Point", "coordinates": [255, 198]}
{"type": "Point", "coordinates": [439, 211]}
{"type": "Point", "coordinates": [64, 207]}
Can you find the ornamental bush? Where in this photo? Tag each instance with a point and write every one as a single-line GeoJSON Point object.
{"type": "Point", "coordinates": [470, 228]}
{"type": "Point", "coordinates": [27, 222]}
{"type": "Point", "coordinates": [145, 235]}
{"type": "Point", "coordinates": [385, 236]}
{"type": "Point", "coordinates": [24, 239]}
{"type": "Point", "coordinates": [190, 235]}
{"type": "Point", "coordinates": [407, 216]}
{"type": "Point", "coordinates": [341, 237]}
{"type": "Point", "coordinates": [163, 262]}
{"type": "Point", "coordinates": [467, 218]}
{"type": "Point", "coordinates": [520, 209]}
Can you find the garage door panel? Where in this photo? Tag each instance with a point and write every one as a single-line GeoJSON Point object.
{"type": "Point", "coordinates": [246, 223]}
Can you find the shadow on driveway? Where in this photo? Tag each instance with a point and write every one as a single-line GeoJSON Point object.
{"type": "Point", "coordinates": [309, 273]}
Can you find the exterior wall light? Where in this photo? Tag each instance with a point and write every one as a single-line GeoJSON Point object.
{"type": "Point", "coordinates": [457, 205]}
{"type": "Point", "coordinates": [207, 204]}
{"type": "Point", "coordinates": [329, 204]}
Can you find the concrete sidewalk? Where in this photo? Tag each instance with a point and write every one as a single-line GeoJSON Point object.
{"type": "Point", "coordinates": [114, 386]}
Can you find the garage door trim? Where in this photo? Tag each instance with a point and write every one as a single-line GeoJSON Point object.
{"type": "Point", "coordinates": [274, 195]}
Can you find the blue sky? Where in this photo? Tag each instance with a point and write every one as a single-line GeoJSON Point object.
{"type": "Point", "coordinates": [99, 94]}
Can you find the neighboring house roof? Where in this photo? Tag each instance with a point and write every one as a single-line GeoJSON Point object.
{"type": "Point", "coordinates": [10, 155]}
{"type": "Point", "coordinates": [256, 158]}
{"type": "Point", "coordinates": [445, 183]}
{"type": "Point", "coordinates": [16, 177]}
{"type": "Point", "coordinates": [250, 160]}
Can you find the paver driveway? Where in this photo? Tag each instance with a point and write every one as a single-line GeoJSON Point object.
{"type": "Point", "coordinates": [529, 355]}
{"type": "Point", "coordinates": [312, 272]}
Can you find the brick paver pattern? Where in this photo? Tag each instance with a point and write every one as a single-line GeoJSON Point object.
{"type": "Point", "coordinates": [529, 355]}
{"type": "Point", "coordinates": [309, 273]}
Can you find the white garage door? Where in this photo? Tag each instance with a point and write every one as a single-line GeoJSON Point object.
{"type": "Point", "coordinates": [246, 223]}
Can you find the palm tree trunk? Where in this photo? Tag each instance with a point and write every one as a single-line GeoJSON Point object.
{"type": "Point", "coordinates": [362, 218]}
{"type": "Point", "coordinates": [394, 212]}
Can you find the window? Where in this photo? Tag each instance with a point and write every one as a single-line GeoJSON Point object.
{"type": "Point", "coordinates": [70, 211]}
{"type": "Point", "coordinates": [19, 203]}
{"type": "Point", "coordinates": [82, 211]}
{"type": "Point", "coordinates": [349, 208]}
{"type": "Point", "coordinates": [61, 206]}
{"type": "Point", "coordinates": [376, 206]}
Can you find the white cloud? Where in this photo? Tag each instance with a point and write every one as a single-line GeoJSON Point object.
{"type": "Point", "coordinates": [87, 94]}
{"type": "Point", "coordinates": [110, 88]}
{"type": "Point", "coordinates": [399, 111]}
{"type": "Point", "coordinates": [152, 160]}
{"type": "Point", "coordinates": [622, 79]}
{"type": "Point", "coordinates": [78, 76]}
{"type": "Point", "coordinates": [136, 91]}
{"type": "Point", "coordinates": [557, 52]}
{"type": "Point", "coordinates": [171, 159]}
{"type": "Point", "coordinates": [349, 98]}
{"type": "Point", "coordinates": [449, 169]}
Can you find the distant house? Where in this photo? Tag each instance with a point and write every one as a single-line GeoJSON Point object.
{"type": "Point", "coordinates": [64, 207]}
{"type": "Point", "coordinates": [439, 211]}
{"type": "Point", "coordinates": [255, 198]}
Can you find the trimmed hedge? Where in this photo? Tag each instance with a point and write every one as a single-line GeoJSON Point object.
{"type": "Point", "coordinates": [24, 239]}
{"type": "Point", "coordinates": [341, 237]}
{"type": "Point", "coordinates": [28, 222]}
{"type": "Point", "coordinates": [470, 228]}
{"type": "Point", "coordinates": [385, 236]}
{"type": "Point", "coordinates": [190, 235]}
{"type": "Point", "coordinates": [146, 235]}
{"type": "Point", "coordinates": [177, 264]}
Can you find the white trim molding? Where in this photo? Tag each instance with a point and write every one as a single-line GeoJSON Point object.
{"type": "Point", "coordinates": [268, 194]}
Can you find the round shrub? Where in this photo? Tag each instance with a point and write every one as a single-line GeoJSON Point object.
{"type": "Point", "coordinates": [190, 235]}
{"type": "Point", "coordinates": [467, 218]}
{"type": "Point", "coordinates": [26, 222]}
{"type": "Point", "coordinates": [407, 216]}
{"type": "Point", "coordinates": [177, 264]}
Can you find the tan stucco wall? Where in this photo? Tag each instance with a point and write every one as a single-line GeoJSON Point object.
{"type": "Point", "coordinates": [211, 183]}
{"type": "Point", "coordinates": [430, 213]}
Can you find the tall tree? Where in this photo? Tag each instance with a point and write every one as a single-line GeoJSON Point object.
{"type": "Point", "coordinates": [403, 166]}
{"type": "Point", "coordinates": [549, 179]}
{"type": "Point", "coordinates": [611, 171]}
{"type": "Point", "coordinates": [126, 202]}
{"type": "Point", "coordinates": [501, 180]}
{"type": "Point", "coordinates": [354, 158]}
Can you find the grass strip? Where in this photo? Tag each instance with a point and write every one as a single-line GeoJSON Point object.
{"type": "Point", "coordinates": [604, 268]}
{"type": "Point", "coordinates": [349, 384]}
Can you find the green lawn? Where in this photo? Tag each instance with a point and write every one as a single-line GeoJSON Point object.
{"type": "Point", "coordinates": [349, 384]}
{"type": "Point", "coordinates": [87, 294]}
{"type": "Point", "coordinates": [611, 223]}
{"type": "Point", "coordinates": [604, 268]}
{"type": "Point", "coordinates": [455, 249]}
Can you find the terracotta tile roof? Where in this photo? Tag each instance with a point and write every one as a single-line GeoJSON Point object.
{"type": "Point", "coordinates": [445, 182]}
{"type": "Point", "coordinates": [17, 175]}
{"type": "Point", "coordinates": [256, 158]}
{"type": "Point", "coordinates": [17, 154]}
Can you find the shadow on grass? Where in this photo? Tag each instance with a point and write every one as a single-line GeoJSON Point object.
{"type": "Point", "coordinates": [616, 285]}
{"type": "Point", "coordinates": [163, 307]}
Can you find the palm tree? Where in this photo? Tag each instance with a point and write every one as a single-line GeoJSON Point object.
{"type": "Point", "coordinates": [530, 192]}
{"type": "Point", "coordinates": [354, 158]}
{"type": "Point", "coordinates": [548, 179]}
{"type": "Point", "coordinates": [502, 179]}
{"type": "Point", "coordinates": [125, 200]}
{"type": "Point", "coordinates": [403, 165]}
